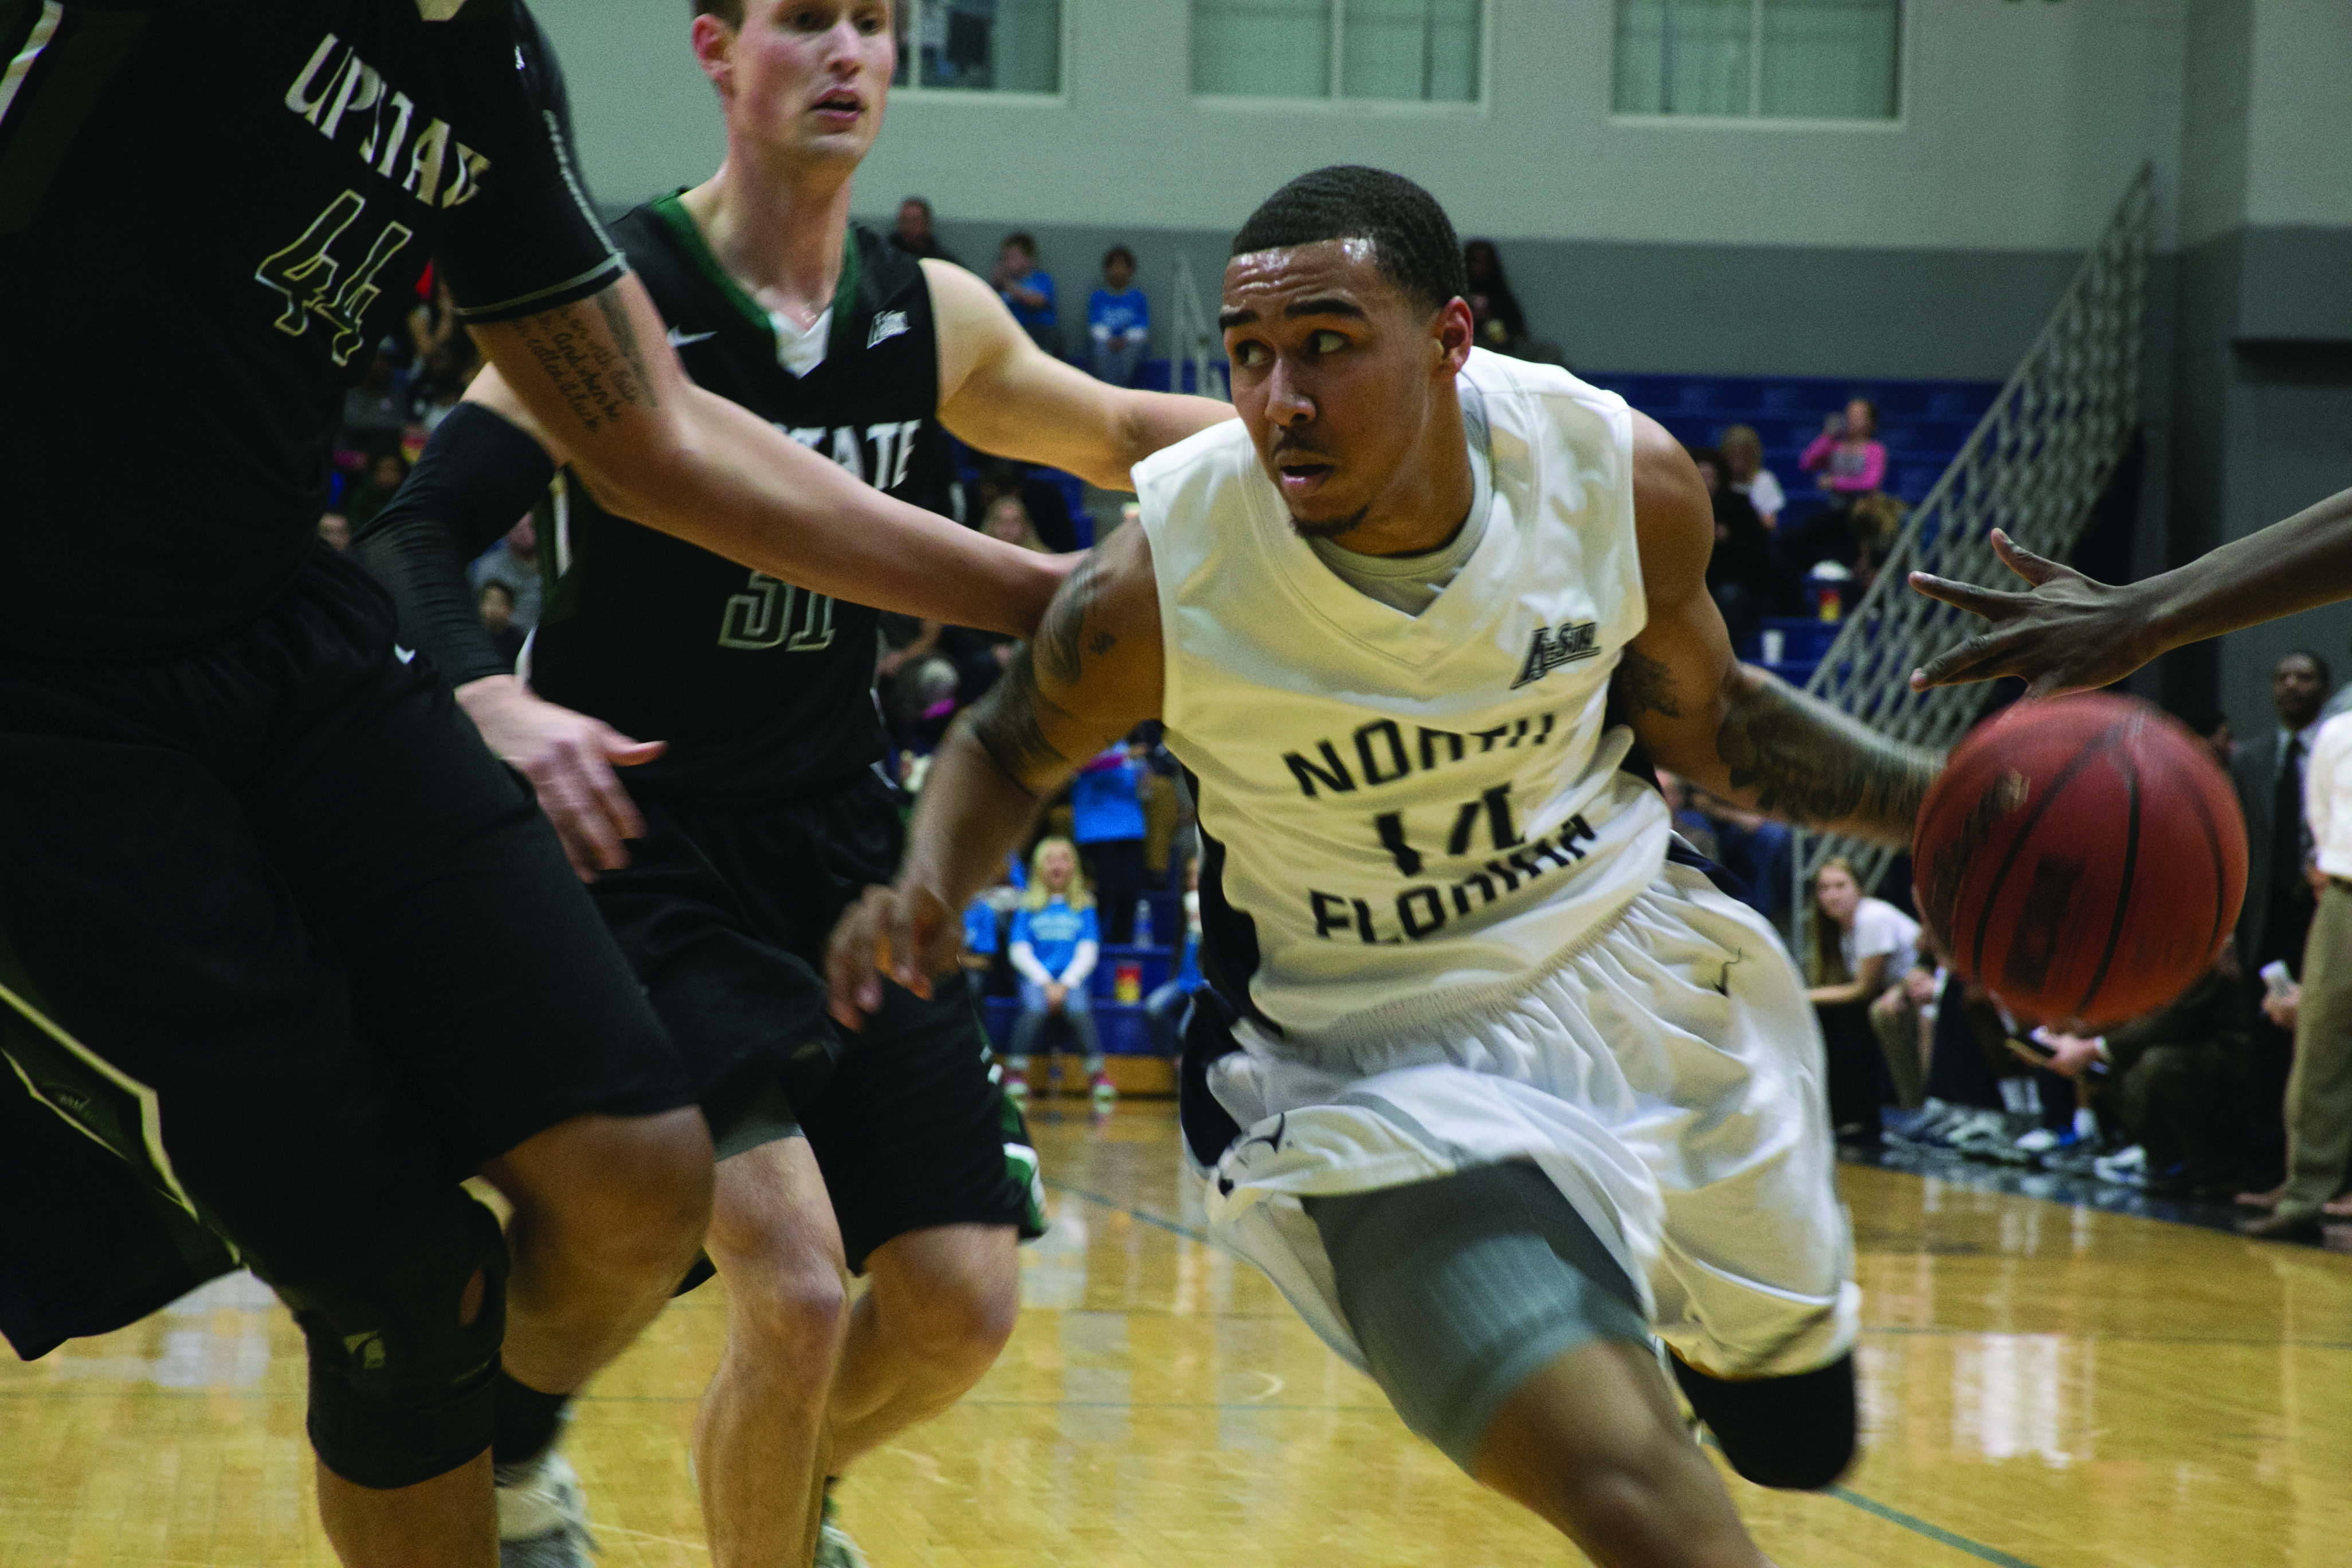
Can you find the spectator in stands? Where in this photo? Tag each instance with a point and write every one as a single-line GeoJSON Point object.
{"type": "Point", "coordinates": [1861, 945]}
{"type": "Point", "coordinates": [979, 656]}
{"type": "Point", "coordinates": [336, 529]}
{"type": "Point", "coordinates": [513, 561]}
{"type": "Point", "coordinates": [2276, 918]}
{"type": "Point", "coordinates": [1757, 851]}
{"type": "Point", "coordinates": [1027, 290]}
{"type": "Point", "coordinates": [1740, 573]}
{"type": "Point", "coordinates": [1049, 513]}
{"type": "Point", "coordinates": [980, 945]}
{"type": "Point", "coordinates": [1902, 1017]}
{"type": "Point", "coordinates": [2163, 1080]}
{"type": "Point", "coordinates": [1847, 455]}
{"type": "Point", "coordinates": [1743, 467]}
{"type": "Point", "coordinates": [1163, 1010]}
{"type": "Point", "coordinates": [1872, 522]}
{"type": "Point", "coordinates": [1056, 941]}
{"type": "Point", "coordinates": [2318, 1103]}
{"type": "Point", "coordinates": [495, 603]}
{"type": "Point", "coordinates": [386, 471]}
{"type": "Point", "coordinates": [1118, 320]}
{"type": "Point", "coordinates": [1495, 318]}
{"type": "Point", "coordinates": [1107, 820]}
{"type": "Point", "coordinates": [432, 322]}
{"type": "Point", "coordinates": [914, 235]}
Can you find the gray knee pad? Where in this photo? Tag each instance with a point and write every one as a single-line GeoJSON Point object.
{"type": "Point", "coordinates": [400, 1389]}
{"type": "Point", "coordinates": [1459, 1289]}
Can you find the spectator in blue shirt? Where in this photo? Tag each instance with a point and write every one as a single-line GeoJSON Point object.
{"type": "Point", "coordinates": [1027, 290]}
{"type": "Point", "coordinates": [979, 943]}
{"type": "Point", "coordinates": [1055, 943]}
{"type": "Point", "coordinates": [1163, 1010]}
{"type": "Point", "coordinates": [1107, 819]}
{"type": "Point", "coordinates": [1119, 320]}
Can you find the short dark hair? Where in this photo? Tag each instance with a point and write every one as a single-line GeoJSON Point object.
{"type": "Point", "coordinates": [1024, 242]}
{"type": "Point", "coordinates": [1414, 243]}
{"type": "Point", "coordinates": [727, 11]}
{"type": "Point", "coordinates": [1118, 253]}
{"type": "Point", "coordinates": [2326, 676]}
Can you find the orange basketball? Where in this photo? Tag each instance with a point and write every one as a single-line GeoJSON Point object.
{"type": "Point", "coordinates": [2083, 858]}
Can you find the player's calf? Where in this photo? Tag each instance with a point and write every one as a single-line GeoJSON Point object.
{"type": "Point", "coordinates": [942, 1305]}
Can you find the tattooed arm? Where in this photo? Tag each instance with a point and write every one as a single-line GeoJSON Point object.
{"type": "Point", "coordinates": [1091, 675]}
{"type": "Point", "coordinates": [597, 382]}
{"type": "Point", "coordinates": [1728, 727]}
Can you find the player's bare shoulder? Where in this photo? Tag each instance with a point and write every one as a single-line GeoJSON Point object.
{"type": "Point", "coordinates": [1673, 518]}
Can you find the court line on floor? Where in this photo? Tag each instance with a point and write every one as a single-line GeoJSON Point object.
{"type": "Point", "coordinates": [1846, 1495]}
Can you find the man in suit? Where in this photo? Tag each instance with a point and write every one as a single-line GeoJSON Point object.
{"type": "Point", "coordinates": [2268, 773]}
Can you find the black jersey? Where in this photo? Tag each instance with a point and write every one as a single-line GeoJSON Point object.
{"type": "Point", "coordinates": [211, 211]}
{"type": "Point", "coordinates": [760, 687]}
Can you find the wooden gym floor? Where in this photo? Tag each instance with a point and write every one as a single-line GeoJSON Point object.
{"type": "Point", "coordinates": [2045, 1386]}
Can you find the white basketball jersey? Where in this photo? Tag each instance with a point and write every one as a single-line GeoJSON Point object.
{"type": "Point", "coordinates": [1403, 816]}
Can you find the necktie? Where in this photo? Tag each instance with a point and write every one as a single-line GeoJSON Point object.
{"type": "Point", "coordinates": [2290, 833]}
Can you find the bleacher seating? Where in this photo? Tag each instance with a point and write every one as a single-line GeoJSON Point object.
{"type": "Point", "coordinates": [1121, 1023]}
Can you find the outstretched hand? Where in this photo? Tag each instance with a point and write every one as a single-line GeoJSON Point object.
{"type": "Point", "coordinates": [568, 758]}
{"type": "Point", "coordinates": [2065, 633]}
{"type": "Point", "coordinates": [904, 935]}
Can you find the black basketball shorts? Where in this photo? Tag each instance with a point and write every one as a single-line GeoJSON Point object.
{"type": "Point", "coordinates": [724, 912]}
{"type": "Point", "coordinates": [277, 929]}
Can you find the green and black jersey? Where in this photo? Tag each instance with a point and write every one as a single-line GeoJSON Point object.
{"type": "Point", "coordinates": [760, 687]}
{"type": "Point", "coordinates": [211, 211]}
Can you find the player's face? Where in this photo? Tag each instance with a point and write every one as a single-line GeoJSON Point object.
{"type": "Point", "coordinates": [809, 77]}
{"type": "Point", "coordinates": [1333, 373]}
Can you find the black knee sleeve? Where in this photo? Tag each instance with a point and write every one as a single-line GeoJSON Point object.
{"type": "Point", "coordinates": [1795, 1433]}
{"type": "Point", "coordinates": [399, 1389]}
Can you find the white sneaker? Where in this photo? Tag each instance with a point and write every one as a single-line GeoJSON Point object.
{"type": "Point", "coordinates": [2127, 1169]}
{"type": "Point", "coordinates": [834, 1549]}
{"type": "Point", "coordinates": [542, 1516]}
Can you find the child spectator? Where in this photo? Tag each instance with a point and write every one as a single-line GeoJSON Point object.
{"type": "Point", "coordinates": [513, 561]}
{"type": "Point", "coordinates": [1056, 941]}
{"type": "Point", "coordinates": [1743, 465]}
{"type": "Point", "coordinates": [1107, 820]}
{"type": "Point", "coordinates": [1119, 319]}
{"type": "Point", "coordinates": [1847, 453]}
{"type": "Point", "coordinates": [385, 472]}
{"type": "Point", "coordinates": [1027, 290]}
{"type": "Point", "coordinates": [1163, 1010]}
{"type": "Point", "coordinates": [495, 603]}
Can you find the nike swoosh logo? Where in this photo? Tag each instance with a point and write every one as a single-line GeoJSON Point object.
{"type": "Point", "coordinates": [405, 654]}
{"type": "Point", "coordinates": [679, 340]}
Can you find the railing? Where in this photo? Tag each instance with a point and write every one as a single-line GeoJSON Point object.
{"type": "Point", "coordinates": [1194, 341]}
{"type": "Point", "coordinates": [2034, 466]}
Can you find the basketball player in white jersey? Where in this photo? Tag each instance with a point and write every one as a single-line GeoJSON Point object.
{"type": "Point", "coordinates": [1502, 1081]}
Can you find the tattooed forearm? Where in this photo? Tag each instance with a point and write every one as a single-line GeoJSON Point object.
{"type": "Point", "coordinates": [1062, 636]}
{"type": "Point", "coordinates": [1647, 685]}
{"type": "Point", "coordinates": [1006, 726]}
{"type": "Point", "coordinates": [1803, 761]}
{"type": "Point", "coordinates": [600, 375]}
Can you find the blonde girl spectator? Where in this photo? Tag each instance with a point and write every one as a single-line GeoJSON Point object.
{"type": "Point", "coordinates": [1055, 942]}
{"type": "Point", "coordinates": [1861, 946]}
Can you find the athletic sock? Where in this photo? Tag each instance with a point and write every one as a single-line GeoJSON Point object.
{"type": "Point", "coordinates": [1094, 1068]}
{"type": "Point", "coordinates": [525, 1422]}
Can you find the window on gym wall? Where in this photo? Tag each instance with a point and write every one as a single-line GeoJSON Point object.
{"type": "Point", "coordinates": [1766, 59]}
{"type": "Point", "coordinates": [1001, 45]}
{"type": "Point", "coordinates": [1414, 51]}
